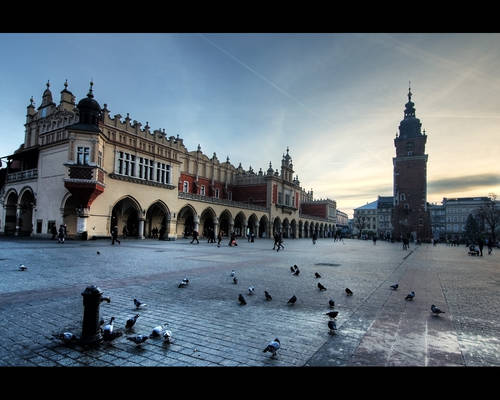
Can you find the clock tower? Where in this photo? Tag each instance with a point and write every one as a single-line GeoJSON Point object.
{"type": "Point", "coordinates": [410, 217]}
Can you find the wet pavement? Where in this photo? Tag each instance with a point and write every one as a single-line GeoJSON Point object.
{"type": "Point", "coordinates": [376, 326]}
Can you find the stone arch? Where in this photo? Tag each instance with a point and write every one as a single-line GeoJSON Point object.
{"type": "Point", "coordinates": [207, 222]}
{"type": "Point", "coordinates": [10, 204]}
{"type": "Point", "coordinates": [240, 222]}
{"type": "Point", "coordinates": [126, 212]}
{"type": "Point", "coordinates": [157, 220]}
{"type": "Point", "coordinates": [69, 215]}
{"type": "Point", "coordinates": [26, 203]}
{"type": "Point", "coordinates": [293, 229]}
{"type": "Point", "coordinates": [263, 226]}
{"type": "Point", "coordinates": [277, 225]}
{"type": "Point", "coordinates": [253, 223]}
{"type": "Point", "coordinates": [225, 222]}
{"type": "Point", "coordinates": [187, 219]}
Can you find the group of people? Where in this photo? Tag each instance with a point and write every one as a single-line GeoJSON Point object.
{"type": "Point", "coordinates": [60, 234]}
{"type": "Point", "coordinates": [473, 250]}
{"type": "Point", "coordinates": [278, 241]}
{"type": "Point", "coordinates": [210, 234]}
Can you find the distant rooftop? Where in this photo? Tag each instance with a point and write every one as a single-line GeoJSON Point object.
{"type": "Point", "coordinates": [369, 206]}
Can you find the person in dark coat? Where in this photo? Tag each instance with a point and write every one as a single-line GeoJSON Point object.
{"type": "Point", "coordinates": [490, 245]}
{"type": "Point", "coordinates": [232, 240]}
{"type": "Point", "coordinates": [114, 235]}
{"type": "Point", "coordinates": [61, 234]}
{"type": "Point", "coordinates": [195, 237]}
{"type": "Point", "coordinates": [480, 243]}
{"type": "Point", "coordinates": [219, 237]}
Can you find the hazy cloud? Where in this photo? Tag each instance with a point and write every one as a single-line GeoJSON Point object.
{"type": "Point", "coordinates": [463, 183]}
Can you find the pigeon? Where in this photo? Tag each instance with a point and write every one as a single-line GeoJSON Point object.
{"type": "Point", "coordinates": [138, 339]}
{"type": "Point", "coordinates": [131, 321]}
{"type": "Point", "coordinates": [167, 336]}
{"type": "Point", "coordinates": [295, 267]}
{"type": "Point", "coordinates": [333, 326]}
{"type": "Point", "coordinates": [22, 267]}
{"type": "Point", "coordinates": [436, 310]}
{"type": "Point", "coordinates": [186, 280]}
{"type": "Point", "coordinates": [111, 336]}
{"type": "Point", "coordinates": [98, 252]}
{"type": "Point", "coordinates": [272, 347]}
{"type": "Point", "coordinates": [320, 286]}
{"type": "Point", "coordinates": [348, 291]}
{"type": "Point", "coordinates": [233, 273]}
{"type": "Point", "coordinates": [331, 303]}
{"type": "Point", "coordinates": [297, 272]}
{"type": "Point", "coordinates": [235, 280]}
{"type": "Point", "coordinates": [157, 331]}
{"type": "Point", "coordinates": [332, 314]}
{"type": "Point", "coordinates": [410, 296]}
{"type": "Point", "coordinates": [107, 330]}
{"type": "Point", "coordinates": [395, 286]}
{"type": "Point", "coordinates": [66, 337]}
{"type": "Point", "coordinates": [242, 300]}
{"type": "Point", "coordinates": [182, 284]}
{"type": "Point", "coordinates": [292, 300]}
{"type": "Point", "coordinates": [251, 290]}
{"type": "Point", "coordinates": [268, 296]}
{"type": "Point", "coordinates": [317, 275]}
{"type": "Point", "coordinates": [292, 270]}
{"type": "Point", "coordinates": [138, 304]}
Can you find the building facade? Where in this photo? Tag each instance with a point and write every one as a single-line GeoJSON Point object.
{"type": "Point", "coordinates": [385, 205]}
{"type": "Point", "coordinates": [365, 220]}
{"type": "Point", "coordinates": [410, 218]}
{"type": "Point", "coordinates": [438, 221]}
{"type": "Point", "coordinates": [82, 167]}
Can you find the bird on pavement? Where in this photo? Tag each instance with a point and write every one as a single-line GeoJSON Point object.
{"type": "Point", "coordinates": [233, 273]}
{"type": "Point", "coordinates": [410, 296]}
{"type": "Point", "coordinates": [251, 290]}
{"type": "Point", "coordinates": [292, 300]}
{"type": "Point", "coordinates": [348, 291]}
{"type": "Point", "coordinates": [183, 284]}
{"type": "Point", "coordinates": [108, 328]}
{"type": "Point", "coordinates": [98, 252]}
{"type": "Point", "coordinates": [333, 326]}
{"type": "Point", "coordinates": [331, 303]}
{"type": "Point", "coordinates": [295, 267]}
{"type": "Point", "coordinates": [242, 300]}
{"type": "Point", "coordinates": [395, 286]}
{"type": "Point", "coordinates": [157, 331]}
{"type": "Point", "coordinates": [320, 286]}
{"type": "Point", "coordinates": [292, 270]}
{"type": "Point", "coordinates": [138, 339]}
{"type": "Point", "coordinates": [235, 280]}
{"type": "Point", "coordinates": [273, 346]}
{"type": "Point", "coordinates": [268, 296]}
{"type": "Point", "coordinates": [332, 314]}
{"type": "Point", "coordinates": [317, 275]}
{"type": "Point", "coordinates": [131, 321]}
{"type": "Point", "coordinates": [22, 267]}
{"type": "Point", "coordinates": [66, 337]}
{"type": "Point", "coordinates": [167, 337]}
{"type": "Point", "coordinates": [297, 272]}
{"type": "Point", "coordinates": [436, 310]}
{"type": "Point", "coordinates": [138, 304]}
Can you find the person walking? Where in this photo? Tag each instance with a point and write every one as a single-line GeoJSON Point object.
{"type": "Point", "coordinates": [280, 242]}
{"type": "Point", "coordinates": [232, 240]}
{"type": "Point", "coordinates": [61, 235]}
{"type": "Point", "coordinates": [114, 235]}
{"type": "Point", "coordinates": [315, 237]}
{"type": "Point", "coordinates": [490, 245]}
{"type": "Point", "coordinates": [219, 237]}
{"type": "Point", "coordinates": [195, 237]}
{"type": "Point", "coordinates": [480, 243]}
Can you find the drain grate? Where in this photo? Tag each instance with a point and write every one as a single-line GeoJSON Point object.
{"type": "Point", "coordinates": [329, 264]}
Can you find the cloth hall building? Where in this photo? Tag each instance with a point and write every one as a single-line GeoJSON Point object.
{"type": "Point", "coordinates": [82, 167]}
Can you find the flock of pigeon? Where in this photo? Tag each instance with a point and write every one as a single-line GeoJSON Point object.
{"type": "Point", "coordinates": [109, 333]}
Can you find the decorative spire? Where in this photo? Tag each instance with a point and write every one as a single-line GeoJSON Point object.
{"type": "Point", "coordinates": [90, 94]}
{"type": "Point", "coordinates": [199, 147]}
{"type": "Point", "coordinates": [66, 84]}
{"type": "Point", "coordinates": [48, 84]}
{"type": "Point", "coordinates": [409, 90]}
{"type": "Point", "coordinates": [32, 102]}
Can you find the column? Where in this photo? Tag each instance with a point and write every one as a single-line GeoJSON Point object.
{"type": "Point", "coordinates": [244, 233]}
{"type": "Point", "coordinates": [196, 223]}
{"type": "Point", "coordinates": [231, 228]}
{"type": "Point", "coordinates": [256, 231]}
{"type": "Point", "coordinates": [18, 220]}
{"type": "Point", "coordinates": [172, 229]}
{"type": "Point", "coordinates": [141, 228]}
{"type": "Point", "coordinates": [216, 226]}
{"type": "Point", "coordinates": [81, 221]}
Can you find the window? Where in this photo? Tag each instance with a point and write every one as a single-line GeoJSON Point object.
{"type": "Point", "coordinates": [82, 155]}
{"type": "Point", "coordinates": [280, 198]}
{"type": "Point", "coordinates": [287, 199]}
{"type": "Point", "coordinates": [99, 158]}
{"type": "Point", "coordinates": [185, 187]}
{"type": "Point", "coordinates": [230, 195]}
{"type": "Point", "coordinates": [216, 193]}
{"type": "Point", "coordinates": [202, 190]}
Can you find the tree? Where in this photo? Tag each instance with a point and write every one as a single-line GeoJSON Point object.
{"type": "Point", "coordinates": [490, 214]}
{"type": "Point", "coordinates": [360, 224]}
{"type": "Point", "coordinates": [472, 229]}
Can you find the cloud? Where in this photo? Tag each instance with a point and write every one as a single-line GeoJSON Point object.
{"type": "Point", "coordinates": [463, 183]}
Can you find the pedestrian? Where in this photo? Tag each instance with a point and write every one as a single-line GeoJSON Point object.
{"type": "Point", "coordinates": [275, 235]}
{"type": "Point", "coordinates": [195, 237]}
{"type": "Point", "coordinates": [219, 238]}
{"type": "Point", "coordinates": [114, 235]}
{"type": "Point", "coordinates": [232, 240]}
{"type": "Point", "coordinates": [280, 242]}
{"type": "Point", "coordinates": [490, 245]}
{"type": "Point", "coordinates": [53, 230]}
{"type": "Point", "coordinates": [374, 240]}
{"type": "Point", "coordinates": [480, 243]}
{"type": "Point", "coordinates": [61, 234]}
{"type": "Point", "coordinates": [252, 237]}
{"type": "Point", "coordinates": [315, 237]}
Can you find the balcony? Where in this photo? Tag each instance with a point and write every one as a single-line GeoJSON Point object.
{"type": "Point", "coordinates": [214, 200]}
{"type": "Point", "coordinates": [85, 174]}
{"type": "Point", "coordinates": [22, 175]}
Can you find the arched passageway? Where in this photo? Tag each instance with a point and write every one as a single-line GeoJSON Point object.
{"type": "Point", "coordinates": [225, 222]}
{"type": "Point", "coordinates": [157, 220]}
{"type": "Point", "coordinates": [263, 224]}
{"type": "Point", "coordinates": [125, 213]}
{"type": "Point", "coordinates": [10, 213]}
{"type": "Point", "coordinates": [186, 221]}
{"type": "Point", "coordinates": [207, 222]}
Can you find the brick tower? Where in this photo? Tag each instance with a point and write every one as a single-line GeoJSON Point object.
{"type": "Point", "coordinates": [410, 217]}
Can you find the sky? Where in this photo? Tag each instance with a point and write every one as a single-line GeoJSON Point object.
{"type": "Point", "coordinates": [336, 100]}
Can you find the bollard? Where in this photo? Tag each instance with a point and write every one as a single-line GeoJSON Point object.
{"type": "Point", "coordinates": [92, 298]}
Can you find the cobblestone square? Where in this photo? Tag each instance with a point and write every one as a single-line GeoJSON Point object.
{"type": "Point", "coordinates": [376, 326]}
